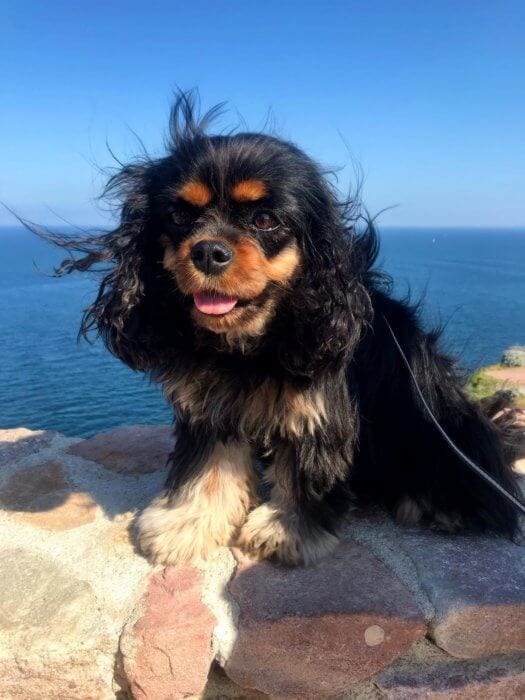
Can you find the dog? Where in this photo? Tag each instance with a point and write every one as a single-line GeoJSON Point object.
{"type": "Point", "coordinates": [238, 280]}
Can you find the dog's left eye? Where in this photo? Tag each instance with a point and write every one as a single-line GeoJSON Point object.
{"type": "Point", "coordinates": [265, 221]}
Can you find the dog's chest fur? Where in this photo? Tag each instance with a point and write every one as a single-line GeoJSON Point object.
{"type": "Point", "coordinates": [260, 411]}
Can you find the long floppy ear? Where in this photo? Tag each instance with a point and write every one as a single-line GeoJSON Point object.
{"type": "Point", "coordinates": [136, 310]}
{"type": "Point", "coordinates": [123, 313]}
{"type": "Point", "coordinates": [330, 304]}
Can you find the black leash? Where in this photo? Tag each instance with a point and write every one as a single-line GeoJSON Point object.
{"type": "Point", "coordinates": [479, 471]}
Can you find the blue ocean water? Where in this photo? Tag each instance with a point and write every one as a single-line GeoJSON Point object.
{"type": "Point", "coordinates": [473, 281]}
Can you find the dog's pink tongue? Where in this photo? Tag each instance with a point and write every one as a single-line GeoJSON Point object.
{"type": "Point", "coordinates": [214, 304]}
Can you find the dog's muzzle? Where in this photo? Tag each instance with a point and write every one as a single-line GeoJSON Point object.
{"type": "Point", "coordinates": [211, 257]}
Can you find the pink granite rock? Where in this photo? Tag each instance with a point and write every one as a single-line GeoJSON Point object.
{"type": "Point", "coordinates": [131, 449]}
{"type": "Point", "coordinates": [316, 632]}
{"type": "Point", "coordinates": [167, 652]}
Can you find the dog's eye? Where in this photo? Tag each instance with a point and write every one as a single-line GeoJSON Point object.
{"type": "Point", "coordinates": [182, 217]}
{"type": "Point", "coordinates": [265, 221]}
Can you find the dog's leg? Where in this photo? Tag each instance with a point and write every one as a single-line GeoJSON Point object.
{"type": "Point", "coordinates": [300, 522]}
{"type": "Point", "coordinates": [275, 530]}
{"type": "Point", "coordinates": [209, 493]}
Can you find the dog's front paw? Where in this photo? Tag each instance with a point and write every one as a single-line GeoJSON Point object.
{"type": "Point", "coordinates": [270, 532]}
{"type": "Point", "coordinates": [177, 533]}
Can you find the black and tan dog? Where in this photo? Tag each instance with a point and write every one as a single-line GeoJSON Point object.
{"type": "Point", "coordinates": [238, 280]}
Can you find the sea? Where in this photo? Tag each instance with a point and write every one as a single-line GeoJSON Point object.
{"type": "Point", "coordinates": [472, 282]}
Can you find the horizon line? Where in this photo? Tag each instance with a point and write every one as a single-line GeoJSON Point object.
{"type": "Point", "coordinates": [485, 227]}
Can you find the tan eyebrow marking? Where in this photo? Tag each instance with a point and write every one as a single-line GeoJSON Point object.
{"type": "Point", "coordinates": [196, 193]}
{"type": "Point", "coordinates": [249, 190]}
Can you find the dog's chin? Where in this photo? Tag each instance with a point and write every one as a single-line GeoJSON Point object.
{"type": "Point", "coordinates": [242, 317]}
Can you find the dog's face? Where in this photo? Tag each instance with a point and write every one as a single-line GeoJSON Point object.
{"type": "Point", "coordinates": [230, 236]}
{"type": "Point", "coordinates": [223, 240]}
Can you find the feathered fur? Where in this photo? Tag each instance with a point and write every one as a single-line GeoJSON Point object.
{"type": "Point", "coordinates": [316, 385]}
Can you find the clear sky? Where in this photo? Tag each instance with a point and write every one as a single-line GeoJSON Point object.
{"type": "Point", "coordinates": [428, 97]}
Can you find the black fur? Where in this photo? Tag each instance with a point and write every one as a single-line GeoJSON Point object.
{"type": "Point", "coordinates": [328, 331]}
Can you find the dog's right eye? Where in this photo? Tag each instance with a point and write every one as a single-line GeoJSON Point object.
{"type": "Point", "coordinates": [182, 218]}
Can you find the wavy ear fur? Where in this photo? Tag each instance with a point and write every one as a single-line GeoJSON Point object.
{"type": "Point", "coordinates": [127, 257]}
{"type": "Point", "coordinates": [137, 325]}
{"type": "Point", "coordinates": [331, 304]}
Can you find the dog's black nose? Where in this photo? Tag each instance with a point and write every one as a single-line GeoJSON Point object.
{"type": "Point", "coordinates": [211, 257]}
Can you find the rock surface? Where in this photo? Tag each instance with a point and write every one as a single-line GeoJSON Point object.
{"type": "Point", "coordinates": [474, 586]}
{"type": "Point", "coordinates": [167, 651]}
{"type": "Point", "coordinates": [83, 615]}
{"type": "Point", "coordinates": [42, 496]}
{"type": "Point", "coordinates": [339, 622]}
{"type": "Point", "coordinates": [69, 573]}
{"type": "Point", "coordinates": [131, 449]}
{"type": "Point", "coordinates": [477, 586]}
{"type": "Point", "coordinates": [49, 622]}
{"type": "Point", "coordinates": [427, 672]}
{"type": "Point", "coordinates": [17, 443]}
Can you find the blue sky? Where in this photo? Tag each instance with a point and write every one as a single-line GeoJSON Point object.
{"type": "Point", "coordinates": [428, 97]}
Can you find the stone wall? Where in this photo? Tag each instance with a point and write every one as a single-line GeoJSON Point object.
{"type": "Point", "coordinates": [394, 613]}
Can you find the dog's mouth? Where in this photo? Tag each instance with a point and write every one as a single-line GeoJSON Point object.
{"type": "Point", "coordinates": [214, 304]}
{"type": "Point", "coordinates": [224, 313]}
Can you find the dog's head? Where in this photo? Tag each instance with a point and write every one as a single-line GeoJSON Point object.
{"type": "Point", "coordinates": [228, 236]}
{"type": "Point", "coordinates": [232, 216]}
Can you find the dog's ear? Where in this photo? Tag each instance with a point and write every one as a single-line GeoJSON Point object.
{"type": "Point", "coordinates": [136, 311]}
{"type": "Point", "coordinates": [123, 312]}
{"type": "Point", "coordinates": [330, 303]}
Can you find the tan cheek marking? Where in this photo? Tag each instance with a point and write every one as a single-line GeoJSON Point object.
{"type": "Point", "coordinates": [196, 193]}
{"type": "Point", "coordinates": [249, 191]}
{"type": "Point", "coordinates": [283, 266]}
{"type": "Point", "coordinates": [246, 277]}
{"type": "Point", "coordinates": [252, 268]}
{"type": "Point", "coordinates": [249, 260]}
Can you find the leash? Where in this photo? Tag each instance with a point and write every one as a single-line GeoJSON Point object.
{"type": "Point", "coordinates": [479, 471]}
